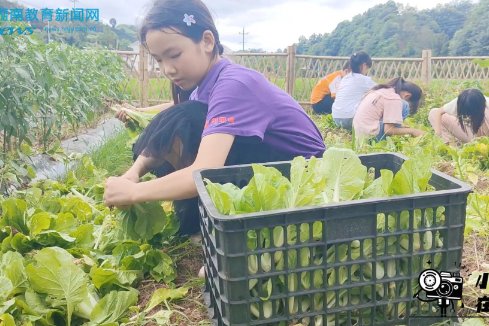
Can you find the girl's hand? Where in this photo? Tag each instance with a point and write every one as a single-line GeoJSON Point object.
{"type": "Point", "coordinates": [417, 132]}
{"type": "Point", "coordinates": [122, 116]}
{"type": "Point", "coordinates": [119, 192]}
{"type": "Point", "coordinates": [129, 106]}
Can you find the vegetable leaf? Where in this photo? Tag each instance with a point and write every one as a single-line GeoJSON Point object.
{"type": "Point", "coordinates": [412, 178]}
{"type": "Point", "coordinates": [380, 186]}
{"type": "Point", "coordinates": [56, 275]}
{"type": "Point", "coordinates": [143, 220]}
{"type": "Point", "coordinates": [161, 295]}
{"type": "Point", "coordinates": [113, 307]}
{"type": "Point", "coordinates": [12, 267]}
{"type": "Point", "coordinates": [345, 174]}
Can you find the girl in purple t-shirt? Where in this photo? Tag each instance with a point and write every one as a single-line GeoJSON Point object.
{"type": "Point", "coordinates": [241, 104]}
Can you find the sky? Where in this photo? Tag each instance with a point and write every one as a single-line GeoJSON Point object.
{"type": "Point", "coordinates": [268, 24]}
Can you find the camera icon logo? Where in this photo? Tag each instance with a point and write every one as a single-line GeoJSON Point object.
{"type": "Point", "coordinates": [444, 287]}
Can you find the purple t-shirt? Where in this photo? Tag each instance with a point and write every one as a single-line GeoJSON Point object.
{"type": "Point", "coordinates": [242, 102]}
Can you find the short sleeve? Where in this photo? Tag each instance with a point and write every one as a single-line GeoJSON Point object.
{"type": "Point", "coordinates": [334, 84]}
{"type": "Point", "coordinates": [392, 111]}
{"type": "Point", "coordinates": [234, 109]}
{"type": "Point", "coordinates": [323, 85]}
{"type": "Point", "coordinates": [451, 108]}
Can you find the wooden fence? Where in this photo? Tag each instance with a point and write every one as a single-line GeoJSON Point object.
{"type": "Point", "coordinates": [298, 74]}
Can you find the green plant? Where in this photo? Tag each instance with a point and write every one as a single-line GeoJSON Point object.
{"type": "Point", "coordinates": [66, 258]}
{"type": "Point", "coordinates": [136, 121]}
{"type": "Point", "coordinates": [339, 176]}
{"type": "Point", "coordinates": [45, 87]}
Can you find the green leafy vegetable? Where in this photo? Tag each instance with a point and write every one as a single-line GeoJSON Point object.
{"type": "Point", "coordinates": [136, 121]}
{"type": "Point", "coordinates": [339, 176]}
{"type": "Point", "coordinates": [56, 275]}
{"type": "Point", "coordinates": [113, 307]}
{"type": "Point", "coordinates": [345, 175]}
{"type": "Point", "coordinates": [143, 220]}
{"type": "Point", "coordinates": [161, 295]}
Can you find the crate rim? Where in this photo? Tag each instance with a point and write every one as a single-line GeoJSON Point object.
{"type": "Point", "coordinates": [463, 188]}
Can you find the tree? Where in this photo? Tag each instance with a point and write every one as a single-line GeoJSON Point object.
{"type": "Point", "coordinates": [473, 38]}
{"type": "Point", "coordinates": [398, 30]}
{"type": "Point", "coordinates": [451, 17]}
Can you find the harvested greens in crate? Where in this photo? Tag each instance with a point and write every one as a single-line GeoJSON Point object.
{"type": "Point", "coordinates": [333, 241]}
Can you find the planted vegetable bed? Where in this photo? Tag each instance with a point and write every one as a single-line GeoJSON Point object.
{"type": "Point", "coordinates": [338, 241]}
{"type": "Point", "coordinates": [66, 259]}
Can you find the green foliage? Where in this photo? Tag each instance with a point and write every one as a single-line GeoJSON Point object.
{"type": "Point", "coordinates": [67, 259]}
{"type": "Point", "coordinates": [395, 30]}
{"type": "Point", "coordinates": [136, 121]}
{"type": "Point", "coordinates": [339, 176]}
{"type": "Point", "coordinates": [473, 38]}
{"type": "Point", "coordinates": [45, 87]}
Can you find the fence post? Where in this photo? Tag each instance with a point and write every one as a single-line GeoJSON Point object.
{"type": "Point", "coordinates": [290, 71]}
{"type": "Point", "coordinates": [143, 77]}
{"type": "Point", "coordinates": [426, 67]}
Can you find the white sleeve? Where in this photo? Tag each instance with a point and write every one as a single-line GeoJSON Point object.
{"type": "Point", "coordinates": [370, 83]}
{"type": "Point", "coordinates": [451, 108]}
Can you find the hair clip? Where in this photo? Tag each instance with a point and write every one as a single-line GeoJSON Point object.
{"type": "Point", "coordinates": [189, 19]}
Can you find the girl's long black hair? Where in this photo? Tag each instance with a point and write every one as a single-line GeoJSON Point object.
{"type": "Point", "coordinates": [471, 105]}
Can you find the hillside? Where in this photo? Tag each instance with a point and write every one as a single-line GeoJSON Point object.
{"type": "Point", "coordinates": [395, 30]}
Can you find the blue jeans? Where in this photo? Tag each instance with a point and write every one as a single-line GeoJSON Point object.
{"type": "Point", "coordinates": [405, 113]}
{"type": "Point", "coordinates": [345, 123]}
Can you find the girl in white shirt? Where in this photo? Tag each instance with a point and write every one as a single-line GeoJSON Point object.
{"type": "Point", "coordinates": [464, 118]}
{"type": "Point", "coordinates": [351, 90]}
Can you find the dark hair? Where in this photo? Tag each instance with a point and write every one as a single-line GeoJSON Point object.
{"type": "Point", "coordinates": [170, 14]}
{"type": "Point", "coordinates": [399, 84]}
{"type": "Point", "coordinates": [471, 105]}
{"type": "Point", "coordinates": [180, 95]}
{"type": "Point", "coordinates": [346, 66]}
{"type": "Point", "coordinates": [186, 122]}
{"type": "Point", "coordinates": [358, 59]}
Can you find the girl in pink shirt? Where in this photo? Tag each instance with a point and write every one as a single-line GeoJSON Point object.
{"type": "Point", "coordinates": [383, 109]}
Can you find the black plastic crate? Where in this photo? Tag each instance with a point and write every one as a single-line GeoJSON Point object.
{"type": "Point", "coordinates": [346, 225]}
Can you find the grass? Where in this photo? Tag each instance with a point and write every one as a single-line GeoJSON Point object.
{"type": "Point", "coordinates": [160, 90]}
{"type": "Point", "coordinates": [112, 155]}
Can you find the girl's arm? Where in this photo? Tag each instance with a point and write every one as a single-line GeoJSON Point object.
{"type": "Point", "coordinates": [213, 152]}
{"type": "Point", "coordinates": [121, 115]}
{"type": "Point", "coordinates": [121, 192]}
{"type": "Point", "coordinates": [142, 166]}
{"type": "Point", "coordinates": [390, 129]}
{"type": "Point", "coordinates": [159, 107]}
{"type": "Point", "coordinates": [437, 114]}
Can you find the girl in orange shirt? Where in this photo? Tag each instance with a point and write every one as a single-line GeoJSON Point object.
{"type": "Point", "coordinates": [324, 93]}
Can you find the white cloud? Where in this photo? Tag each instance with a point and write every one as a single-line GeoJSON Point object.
{"type": "Point", "coordinates": [282, 25]}
{"type": "Point", "coordinates": [271, 24]}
